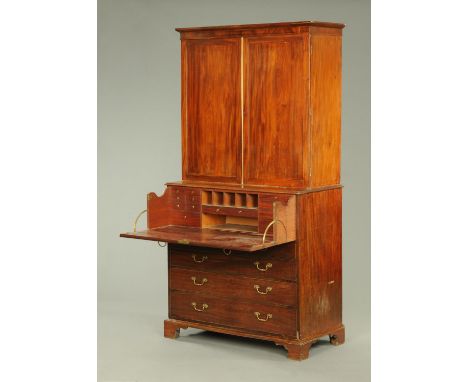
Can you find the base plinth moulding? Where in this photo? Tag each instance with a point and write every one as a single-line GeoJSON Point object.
{"type": "Point", "coordinates": [298, 349]}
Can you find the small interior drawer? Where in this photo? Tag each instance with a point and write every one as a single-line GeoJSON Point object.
{"type": "Point", "coordinates": [231, 211]}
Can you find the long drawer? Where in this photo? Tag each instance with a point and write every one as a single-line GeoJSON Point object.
{"type": "Point", "coordinates": [275, 262]}
{"type": "Point", "coordinates": [245, 315]}
{"type": "Point", "coordinates": [236, 287]}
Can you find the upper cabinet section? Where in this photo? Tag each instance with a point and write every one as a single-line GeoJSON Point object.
{"type": "Point", "coordinates": [211, 110]}
{"type": "Point", "coordinates": [261, 104]}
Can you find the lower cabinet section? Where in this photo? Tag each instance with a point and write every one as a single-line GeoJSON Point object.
{"type": "Point", "coordinates": [245, 315]}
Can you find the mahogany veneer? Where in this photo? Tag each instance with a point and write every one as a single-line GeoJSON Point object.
{"type": "Point", "coordinates": [225, 286]}
{"type": "Point", "coordinates": [254, 226]}
{"type": "Point", "coordinates": [254, 264]}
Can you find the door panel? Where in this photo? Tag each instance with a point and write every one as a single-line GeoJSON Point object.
{"type": "Point", "coordinates": [211, 110]}
{"type": "Point", "coordinates": [276, 97]}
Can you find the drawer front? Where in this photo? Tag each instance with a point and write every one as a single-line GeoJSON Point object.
{"type": "Point", "coordinates": [256, 317]}
{"type": "Point", "coordinates": [260, 291]}
{"type": "Point", "coordinates": [276, 262]}
{"type": "Point", "coordinates": [193, 197]}
{"type": "Point", "coordinates": [193, 201]}
{"type": "Point", "coordinates": [186, 199]}
{"type": "Point", "coordinates": [184, 218]}
{"type": "Point", "coordinates": [185, 206]}
{"type": "Point", "coordinates": [231, 211]}
{"type": "Point", "coordinates": [178, 198]}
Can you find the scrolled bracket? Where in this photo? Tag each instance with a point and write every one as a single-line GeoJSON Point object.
{"type": "Point", "coordinates": [270, 225]}
{"type": "Point", "coordinates": [138, 218]}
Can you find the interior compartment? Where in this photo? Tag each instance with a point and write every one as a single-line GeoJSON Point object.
{"type": "Point", "coordinates": [207, 197]}
{"type": "Point", "coordinates": [241, 200]}
{"type": "Point", "coordinates": [229, 223]}
{"type": "Point", "coordinates": [228, 198]}
{"type": "Point", "coordinates": [217, 198]}
{"type": "Point", "coordinates": [251, 223]}
{"type": "Point", "coordinates": [223, 219]}
{"type": "Point", "coordinates": [252, 200]}
{"type": "Point", "coordinates": [226, 219]}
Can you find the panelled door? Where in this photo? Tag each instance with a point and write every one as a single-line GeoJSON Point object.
{"type": "Point", "coordinates": [211, 110]}
{"type": "Point", "coordinates": [276, 104]}
{"type": "Point", "coordinates": [266, 143]}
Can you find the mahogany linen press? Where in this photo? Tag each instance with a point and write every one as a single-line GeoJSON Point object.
{"type": "Point", "coordinates": [254, 226]}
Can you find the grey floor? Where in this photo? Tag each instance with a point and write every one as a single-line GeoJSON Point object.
{"type": "Point", "coordinates": [131, 348]}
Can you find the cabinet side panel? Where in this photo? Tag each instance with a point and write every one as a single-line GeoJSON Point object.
{"type": "Point", "coordinates": [319, 261]}
{"type": "Point", "coordinates": [211, 111]}
{"type": "Point", "coordinates": [326, 106]}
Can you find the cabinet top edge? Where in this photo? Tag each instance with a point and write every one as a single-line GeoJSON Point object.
{"type": "Point", "coordinates": [260, 26]}
{"type": "Point", "coordinates": [247, 188]}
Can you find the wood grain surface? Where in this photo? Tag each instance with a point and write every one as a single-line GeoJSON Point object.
{"type": "Point", "coordinates": [281, 258]}
{"type": "Point", "coordinates": [276, 94]}
{"type": "Point", "coordinates": [261, 142]}
{"type": "Point", "coordinates": [233, 313]}
{"type": "Point", "coordinates": [211, 111]}
{"type": "Point", "coordinates": [234, 287]}
{"type": "Point", "coordinates": [319, 261]}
